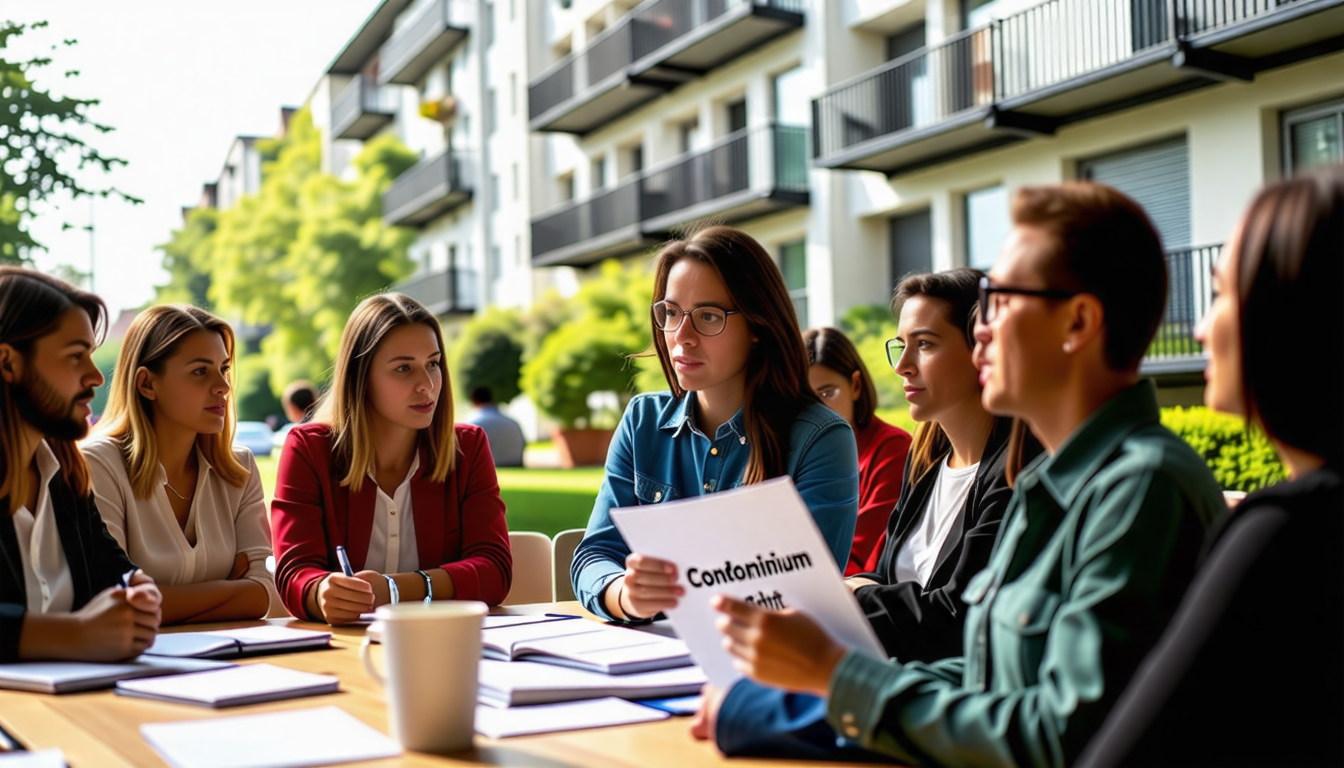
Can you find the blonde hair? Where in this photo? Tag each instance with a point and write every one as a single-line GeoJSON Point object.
{"type": "Point", "coordinates": [345, 407]}
{"type": "Point", "coordinates": [154, 336]}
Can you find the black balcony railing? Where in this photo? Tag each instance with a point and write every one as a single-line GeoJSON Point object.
{"type": "Point", "coordinates": [749, 172]}
{"type": "Point", "coordinates": [423, 39]}
{"type": "Point", "coordinates": [1190, 291]}
{"type": "Point", "coordinates": [445, 291]}
{"type": "Point", "coordinates": [662, 22]}
{"type": "Point", "coordinates": [1027, 56]}
{"type": "Point", "coordinates": [606, 55]}
{"type": "Point", "coordinates": [431, 188]}
{"type": "Point", "coordinates": [362, 109]}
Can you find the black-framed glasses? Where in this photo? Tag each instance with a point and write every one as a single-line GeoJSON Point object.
{"type": "Point", "coordinates": [895, 348]}
{"type": "Point", "coordinates": [989, 307]}
{"type": "Point", "coordinates": [707, 320]}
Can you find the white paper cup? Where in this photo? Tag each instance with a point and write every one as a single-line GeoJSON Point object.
{"type": "Point", "coordinates": [431, 654]}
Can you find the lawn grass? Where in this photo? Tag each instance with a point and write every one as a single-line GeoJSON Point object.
{"type": "Point", "coordinates": [545, 500]}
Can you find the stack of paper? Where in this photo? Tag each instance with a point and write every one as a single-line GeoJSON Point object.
{"type": "Point", "coordinates": [512, 683]}
{"type": "Point", "coordinates": [545, 718]}
{"type": "Point", "coordinates": [272, 740]}
{"type": "Point", "coordinates": [250, 684]}
{"type": "Point", "coordinates": [71, 676]}
{"type": "Point", "coordinates": [585, 645]}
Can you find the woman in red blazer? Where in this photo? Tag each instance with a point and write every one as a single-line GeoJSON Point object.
{"type": "Point", "coordinates": [384, 473]}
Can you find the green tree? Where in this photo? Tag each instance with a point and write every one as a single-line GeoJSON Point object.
{"type": "Point", "coordinates": [301, 253]}
{"type": "Point", "coordinates": [39, 145]}
{"type": "Point", "coordinates": [186, 258]}
{"type": "Point", "coordinates": [489, 353]}
{"type": "Point", "coordinates": [869, 326]}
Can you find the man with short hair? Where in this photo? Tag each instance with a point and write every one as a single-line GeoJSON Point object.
{"type": "Point", "coordinates": [298, 401]}
{"type": "Point", "coordinates": [505, 436]}
{"type": "Point", "coordinates": [67, 591]}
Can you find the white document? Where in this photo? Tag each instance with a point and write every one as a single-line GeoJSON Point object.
{"type": "Point", "coordinates": [45, 758]}
{"type": "Point", "coordinates": [757, 543]}
{"type": "Point", "coordinates": [292, 739]}
{"type": "Point", "coordinates": [235, 686]}
{"type": "Point", "coordinates": [545, 718]}
{"type": "Point", "coordinates": [236, 642]}
{"type": "Point", "coordinates": [514, 683]}
{"type": "Point", "coordinates": [585, 645]}
{"type": "Point", "coordinates": [72, 676]}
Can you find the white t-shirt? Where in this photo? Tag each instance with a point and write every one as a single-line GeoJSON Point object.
{"type": "Point", "coordinates": [225, 519]}
{"type": "Point", "coordinates": [919, 552]}
{"type": "Point", "coordinates": [392, 540]}
{"type": "Point", "coordinates": [46, 572]}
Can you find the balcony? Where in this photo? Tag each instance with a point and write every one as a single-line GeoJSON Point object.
{"type": "Point", "coordinates": [1057, 63]}
{"type": "Point", "coordinates": [431, 188]}
{"type": "Point", "coordinates": [653, 49]}
{"type": "Point", "coordinates": [747, 174]}
{"type": "Point", "coordinates": [1174, 351]}
{"type": "Point", "coordinates": [362, 109]}
{"type": "Point", "coordinates": [450, 291]}
{"type": "Point", "coordinates": [424, 39]}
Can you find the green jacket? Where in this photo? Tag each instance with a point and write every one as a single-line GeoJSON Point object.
{"type": "Point", "coordinates": [1096, 549]}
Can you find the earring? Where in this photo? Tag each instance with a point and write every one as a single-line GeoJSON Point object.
{"type": "Point", "coordinates": [1068, 347]}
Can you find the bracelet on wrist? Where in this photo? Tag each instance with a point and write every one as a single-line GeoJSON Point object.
{"type": "Point", "coordinates": [429, 587]}
{"type": "Point", "coordinates": [394, 595]}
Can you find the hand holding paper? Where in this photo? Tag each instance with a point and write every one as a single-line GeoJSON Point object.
{"type": "Point", "coordinates": [648, 588]}
{"type": "Point", "coordinates": [785, 649]}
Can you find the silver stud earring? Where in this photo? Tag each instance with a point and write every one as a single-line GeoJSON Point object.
{"type": "Point", "coordinates": [1068, 347]}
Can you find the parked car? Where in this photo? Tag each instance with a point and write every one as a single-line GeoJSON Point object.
{"type": "Point", "coordinates": [278, 439]}
{"type": "Point", "coordinates": [254, 436]}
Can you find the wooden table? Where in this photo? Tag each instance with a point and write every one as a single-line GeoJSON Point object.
{"type": "Point", "coordinates": [102, 730]}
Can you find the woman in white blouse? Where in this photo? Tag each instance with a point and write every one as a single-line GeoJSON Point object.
{"type": "Point", "coordinates": [185, 505]}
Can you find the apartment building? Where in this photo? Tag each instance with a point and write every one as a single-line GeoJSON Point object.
{"type": "Point", "coordinates": [861, 140]}
{"type": "Point", "coordinates": [446, 78]}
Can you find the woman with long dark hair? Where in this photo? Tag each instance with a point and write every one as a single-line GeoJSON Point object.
{"type": "Point", "coordinates": [738, 411]}
{"type": "Point", "coordinates": [1251, 670]}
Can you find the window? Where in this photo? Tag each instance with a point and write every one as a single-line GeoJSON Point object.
{"type": "Point", "coordinates": [1313, 136]}
{"type": "Point", "coordinates": [906, 41]}
{"type": "Point", "coordinates": [488, 24]}
{"type": "Point", "coordinates": [987, 225]}
{"type": "Point", "coordinates": [494, 191]}
{"type": "Point", "coordinates": [688, 135]}
{"type": "Point", "coordinates": [564, 187]}
{"type": "Point", "coordinates": [793, 263]}
{"type": "Point", "coordinates": [513, 94]}
{"type": "Point", "coordinates": [491, 113]}
{"type": "Point", "coordinates": [515, 182]}
{"type": "Point", "coordinates": [911, 244]}
{"type": "Point", "coordinates": [737, 115]}
{"type": "Point", "coordinates": [793, 106]}
{"type": "Point", "coordinates": [518, 250]}
{"type": "Point", "coordinates": [599, 179]}
{"type": "Point", "coordinates": [1157, 176]}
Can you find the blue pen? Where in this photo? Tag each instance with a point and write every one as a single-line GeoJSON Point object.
{"type": "Point", "coordinates": [125, 579]}
{"type": "Point", "coordinates": [344, 560]}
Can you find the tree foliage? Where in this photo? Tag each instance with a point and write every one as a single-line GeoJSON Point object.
{"type": "Point", "coordinates": [39, 145]}
{"type": "Point", "coordinates": [489, 353]}
{"type": "Point", "coordinates": [298, 255]}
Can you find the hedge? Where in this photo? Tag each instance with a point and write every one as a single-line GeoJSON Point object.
{"type": "Point", "coordinates": [1242, 459]}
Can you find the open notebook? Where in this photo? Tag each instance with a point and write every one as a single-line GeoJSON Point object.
{"type": "Point", "coordinates": [232, 687]}
{"type": "Point", "coordinates": [227, 643]}
{"type": "Point", "coordinates": [585, 645]}
{"type": "Point", "coordinates": [515, 683]}
{"type": "Point", "coordinates": [72, 676]}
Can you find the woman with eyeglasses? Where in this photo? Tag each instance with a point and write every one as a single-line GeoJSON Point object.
{"type": "Point", "coordinates": [838, 376]}
{"type": "Point", "coordinates": [958, 482]}
{"type": "Point", "coordinates": [1101, 536]}
{"type": "Point", "coordinates": [739, 411]}
{"type": "Point", "coordinates": [1251, 670]}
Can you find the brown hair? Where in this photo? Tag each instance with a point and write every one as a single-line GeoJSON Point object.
{"type": "Point", "coordinates": [154, 336]}
{"type": "Point", "coordinates": [1289, 255]}
{"type": "Point", "coordinates": [957, 292]}
{"type": "Point", "coordinates": [31, 306]}
{"type": "Point", "coordinates": [832, 348]}
{"type": "Point", "coordinates": [345, 407]}
{"type": "Point", "coordinates": [1105, 245]}
{"type": "Point", "coordinates": [776, 381]}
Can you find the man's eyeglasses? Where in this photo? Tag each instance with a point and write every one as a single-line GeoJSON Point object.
{"type": "Point", "coordinates": [989, 306]}
{"type": "Point", "coordinates": [707, 320]}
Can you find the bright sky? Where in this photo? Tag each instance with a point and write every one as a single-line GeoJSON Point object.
{"type": "Point", "coordinates": [178, 79]}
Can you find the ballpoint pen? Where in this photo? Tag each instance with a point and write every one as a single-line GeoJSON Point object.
{"type": "Point", "coordinates": [344, 560]}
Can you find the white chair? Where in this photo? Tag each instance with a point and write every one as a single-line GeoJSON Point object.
{"type": "Point", "coordinates": [531, 568]}
{"type": "Point", "coordinates": [562, 555]}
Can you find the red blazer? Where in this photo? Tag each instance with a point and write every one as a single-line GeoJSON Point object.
{"type": "Point", "coordinates": [882, 452]}
{"type": "Point", "coordinates": [459, 523]}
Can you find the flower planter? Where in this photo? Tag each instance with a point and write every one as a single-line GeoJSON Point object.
{"type": "Point", "coordinates": [581, 447]}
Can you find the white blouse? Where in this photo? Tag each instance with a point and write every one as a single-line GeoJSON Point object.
{"type": "Point", "coordinates": [392, 547]}
{"type": "Point", "coordinates": [225, 519]}
{"type": "Point", "coordinates": [46, 573]}
{"type": "Point", "coordinates": [919, 552]}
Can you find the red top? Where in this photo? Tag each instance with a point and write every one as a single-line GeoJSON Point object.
{"type": "Point", "coordinates": [882, 452]}
{"type": "Point", "coordinates": [459, 523]}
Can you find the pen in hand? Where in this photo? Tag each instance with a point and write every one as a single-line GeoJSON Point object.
{"type": "Point", "coordinates": [344, 560]}
{"type": "Point", "coordinates": [124, 580]}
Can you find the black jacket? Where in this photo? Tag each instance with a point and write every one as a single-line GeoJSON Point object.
{"type": "Point", "coordinates": [96, 560]}
{"type": "Point", "coordinates": [1250, 672]}
{"type": "Point", "coordinates": [925, 623]}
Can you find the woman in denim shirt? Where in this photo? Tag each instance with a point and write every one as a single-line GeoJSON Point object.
{"type": "Point", "coordinates": [739, 411]}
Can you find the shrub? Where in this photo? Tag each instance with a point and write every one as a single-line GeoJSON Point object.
{"type": "Point", "coordinates": [869, 326]}
{"type": "Point", "coordinates": [489, 353]}
{"type": "Point", "coordinates": [254, 398]}
{"type": "Point", "coordinates": [575, 361]}
{"type": "Point", "coordinates": [1241, 459]}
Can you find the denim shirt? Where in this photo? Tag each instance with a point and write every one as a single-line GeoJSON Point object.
{"type": "Point", "coordinates": [658, 454]}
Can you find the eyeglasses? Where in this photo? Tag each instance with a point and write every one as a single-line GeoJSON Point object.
{"type": "Point", "coordinates": [895, 348]}
{"type": "Point", "coordinates": [707, 320]}
{"type": "Point", "coordinates": [989, 309]}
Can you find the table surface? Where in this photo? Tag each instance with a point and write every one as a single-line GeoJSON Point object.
{"type": "Point", "coordinates": [102, 730]}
